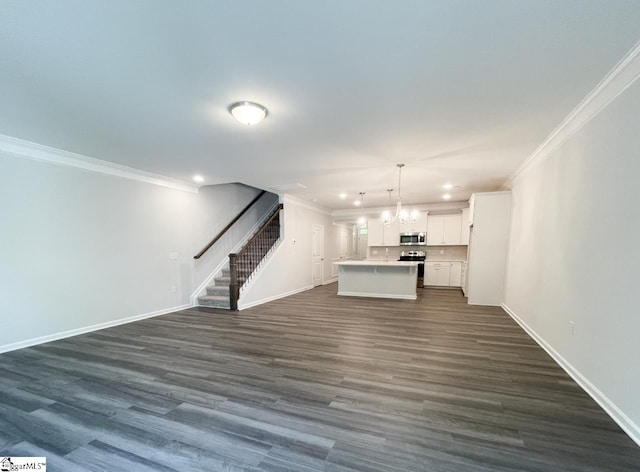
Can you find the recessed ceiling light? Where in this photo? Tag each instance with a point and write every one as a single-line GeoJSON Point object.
{"type": "Point", "coordinates": [198, 178]}
{"type": "Point", "coordinates": [446, 196]}
{"type": "Point", "coordinates": [447, 186]}
{"type": "Point", "coordinates": [248, 113]}
{"type": "Point", "coordinates": [357, 203]}
{"type": "Point", "coordinates": [343, 195]}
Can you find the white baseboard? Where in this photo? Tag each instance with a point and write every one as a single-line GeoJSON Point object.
{"type": "Point", "coordinates": [243, 306]}
{"type": "Point", "coordinates": [330, 281]}
{"type": "Point", "coordinates": [378, 295]}
{"type": "Point", "coordinates": [626, 423]}
{"type": "Point", "coordinates": [88, 329]}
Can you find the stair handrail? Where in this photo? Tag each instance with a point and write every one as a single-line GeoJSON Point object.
{"type": "Point", "coordinates": [275, 213]}
{"type": "Point", "coordinates": [226, 228]}
{"type": "Point", "coordinates": [234, 282]}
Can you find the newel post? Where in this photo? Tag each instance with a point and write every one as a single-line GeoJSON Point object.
{"type": "Point", "coordinates": [234, 286]}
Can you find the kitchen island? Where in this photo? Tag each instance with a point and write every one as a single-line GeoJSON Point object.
{"type": "Point", "coordinates": [381, 279]}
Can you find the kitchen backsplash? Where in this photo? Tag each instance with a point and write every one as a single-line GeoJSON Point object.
{"type": "Point", "coordinates": [449, 253]}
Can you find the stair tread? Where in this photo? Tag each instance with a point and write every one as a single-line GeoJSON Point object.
{"type": "Point", "coordinates": [213, 297]}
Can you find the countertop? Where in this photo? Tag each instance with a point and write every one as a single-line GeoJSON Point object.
{"type": "Point", "coordinates": [378, 263]}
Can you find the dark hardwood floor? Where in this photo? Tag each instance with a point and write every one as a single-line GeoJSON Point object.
{"type": "Point", "coordinates": [308, 383]}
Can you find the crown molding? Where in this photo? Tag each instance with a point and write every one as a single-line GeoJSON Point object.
{"type": "Point", "coordinates": [375, 212]}
{"type": "Point", "coordinates": [620, 78]}
{"type": "Point", "coordinates": [25, 149]}
{"type": "Point", "coordinates": [288, 198]}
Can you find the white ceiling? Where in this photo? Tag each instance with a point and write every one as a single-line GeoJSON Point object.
{"type": "Point", "coordinates": [460, 91]}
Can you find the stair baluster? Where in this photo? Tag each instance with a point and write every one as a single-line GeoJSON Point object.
{"type": "Point", "coordinates": [243, 264]}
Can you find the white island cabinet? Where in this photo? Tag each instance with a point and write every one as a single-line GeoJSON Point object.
{"type": "Point", "coordinates": [380, 279]}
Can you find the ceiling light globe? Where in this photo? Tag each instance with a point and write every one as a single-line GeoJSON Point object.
{"type": "Point", "coordinates": [248, 113]}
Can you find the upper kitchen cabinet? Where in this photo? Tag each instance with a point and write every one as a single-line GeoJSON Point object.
{"type": "Point", "coordinates": [444, 230]}
{"type": "Point", "coordinates": [418, 226]}
{"type": "Point", "coordinates": [380, 234]}
{"type": "Point", "coordinates": [464, 228]}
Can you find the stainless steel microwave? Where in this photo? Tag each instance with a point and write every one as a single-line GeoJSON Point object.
{"type": "Point", "coordinates": [413, 239]}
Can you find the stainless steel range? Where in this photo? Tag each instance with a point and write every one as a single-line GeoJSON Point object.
{"type": "Point", "coordinates": [417, 256]}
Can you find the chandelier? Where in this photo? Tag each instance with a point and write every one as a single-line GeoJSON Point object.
{"type": "Point", "coordinates": [401, 215]}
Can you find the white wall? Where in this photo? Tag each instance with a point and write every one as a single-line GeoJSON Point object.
{"type": "Point", "coordinates": [574, 255]}
{"type": "Point", "coordinates": [289, 268]}
{"type": "Point", "coordinates": [80, 249]}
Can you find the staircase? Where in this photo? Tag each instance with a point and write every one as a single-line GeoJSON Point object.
{"type": "Point", "coordinates": [217, 294]}
{"type": "Point", "coordinates": [224, 293]}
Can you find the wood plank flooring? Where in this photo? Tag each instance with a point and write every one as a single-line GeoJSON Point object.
{"type": "Point", "coordinates": [309, 383]}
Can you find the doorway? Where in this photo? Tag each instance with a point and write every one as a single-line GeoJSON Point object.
{"type": "Point", "coordinates": [317, 248]}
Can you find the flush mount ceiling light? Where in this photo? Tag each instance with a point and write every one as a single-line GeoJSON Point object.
{"type": "Point", "coordinates": [248, 113]}
{"type": "Point", "coordinates": [198, 178]}
{"type": "Point", "coordinates": [446, 196]}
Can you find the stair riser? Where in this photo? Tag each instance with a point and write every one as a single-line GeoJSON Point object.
{"type": "Point", "coordinates": [214, 305]}
{"type": "Point", "coordinates": [219, 291]}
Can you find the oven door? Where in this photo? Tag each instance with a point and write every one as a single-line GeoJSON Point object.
{"type": "Point", "coordinates": [420, 281]}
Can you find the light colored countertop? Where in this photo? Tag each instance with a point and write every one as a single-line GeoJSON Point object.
{"type": "Point", "coordinates": [378, 263]}
{"type": "Point", "coordinates": [431, 259]}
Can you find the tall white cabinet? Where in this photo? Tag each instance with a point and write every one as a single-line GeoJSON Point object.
{"type": "Point", "coordinates": [490, 214]}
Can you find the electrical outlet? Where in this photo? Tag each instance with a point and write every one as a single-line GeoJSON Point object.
{"type": "Point", "coordinates": [572, 327]}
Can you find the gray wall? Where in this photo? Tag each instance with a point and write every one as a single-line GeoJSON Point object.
{"type": "Point", "coordinates": [80, 249]}
{"type": "Point", "coordinates": [574, 254]}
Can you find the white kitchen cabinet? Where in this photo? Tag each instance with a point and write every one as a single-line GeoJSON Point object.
{"type": "Point", "coordinates": [435, 230]}
{"type": "Point", "coordinates": [391, 234]}
{"type": "Point", "coordinates": [464, 227]}
{"type": "Point", "coordinates": [437, 273]}
{"type": "Point", "coordinates": [455, 274]}
{"type": "Point", "coordinates": [380, 234]}
{"type": "Point", "coordinates": [444, 230]}
{"type": "Point", "coordinates": [490, 213]}
{"type": "Point", "coordinates": [463, 279]}
{"type": "Point", "coordinates": [418, 226]}
{"type": "Point", "coordinates": [374, 232]}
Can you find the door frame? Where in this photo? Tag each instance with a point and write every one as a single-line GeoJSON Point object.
{"type": "Point", "coordinates": [313, 262]}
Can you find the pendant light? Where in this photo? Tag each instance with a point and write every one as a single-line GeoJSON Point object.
{"type": "Point", "coordinates": [402, 215]}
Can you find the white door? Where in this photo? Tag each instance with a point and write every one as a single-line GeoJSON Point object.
{"type": "Point", "coordinates": [344, 243]}
{"type": "Point", "coordinates": [317, 247]}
